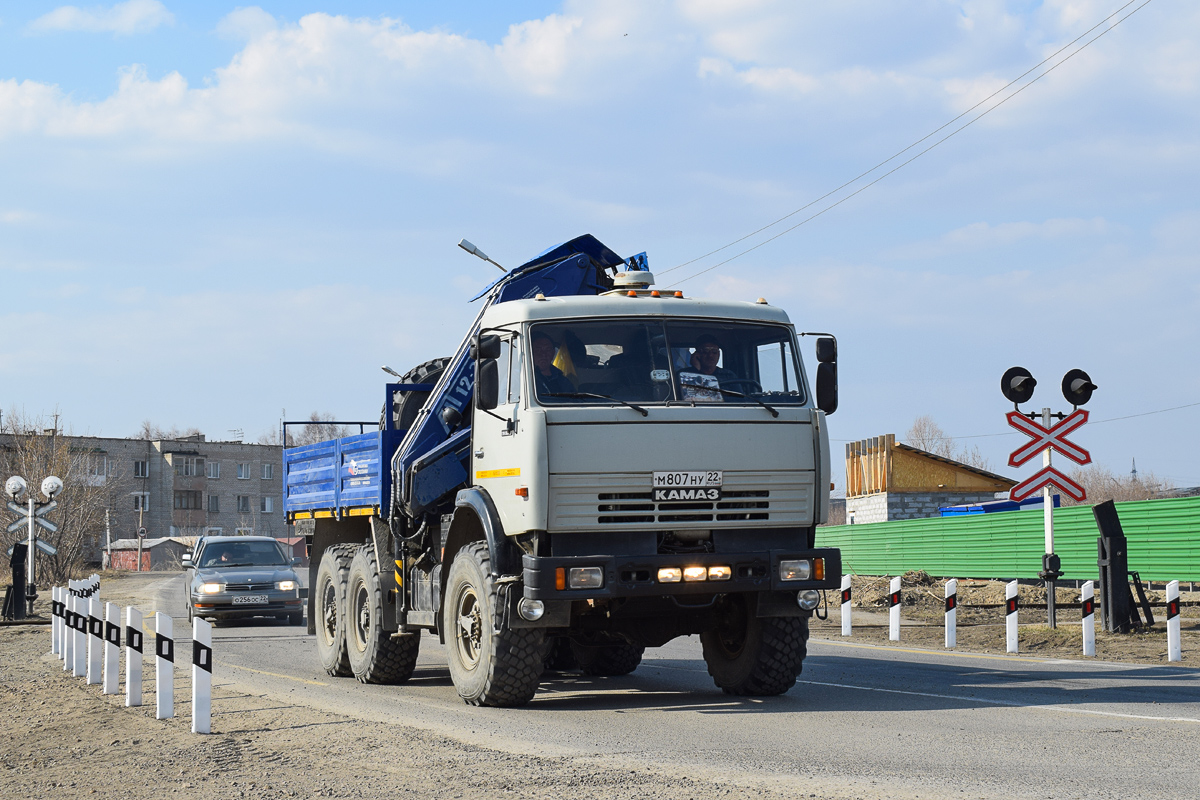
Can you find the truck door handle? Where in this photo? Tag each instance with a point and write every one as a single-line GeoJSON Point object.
{"type": "Point", "coordinates": [479, 453]}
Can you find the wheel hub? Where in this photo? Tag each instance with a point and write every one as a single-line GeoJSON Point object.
{"type": "Point", "coordinates": [469, 634]}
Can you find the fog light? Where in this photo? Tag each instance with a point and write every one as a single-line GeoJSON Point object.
{"type": "Point", "coordinates": [210, 588]}
{"type": "Point", "coordinates": [531, 610]}
{"type": "Point", "coordinates": [285, 586]}
{"type": "Point", "coordinates": [585, 578]}
{"type": "Point", "coordinates": [808, 599]}
{"type": "Point", "coordinates": [796, 570]}
{"type": "Point", "coordinates": [670, 575]}
{"type": "Point", "coordinates": [719, 573]}
{"type": "Point", "coordinates": [695, 573]}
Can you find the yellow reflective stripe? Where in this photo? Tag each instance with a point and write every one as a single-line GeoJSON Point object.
{"type": "Point", "coordinates": [323, 514]}
{"type": "Point", "coordinates": [498, 473]}
{"type": "Point", "coordinates": [361, 512]}
{"type": "Point", "coordinates": [399, 579]}
{"type": "Point", "coordinates": [302, 515]}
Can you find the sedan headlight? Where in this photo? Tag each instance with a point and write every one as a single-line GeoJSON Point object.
{"type": "Point", "coordinates": [285, 586]}
{"type": "Point", "coordinates": [211, 588]}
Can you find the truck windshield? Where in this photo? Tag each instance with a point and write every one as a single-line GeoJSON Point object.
{"type": "Point", "coordinates": [653, 361]}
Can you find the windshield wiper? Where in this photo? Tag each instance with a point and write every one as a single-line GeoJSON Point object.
{"type": "Point", "coordinates": [577, 395]}
{"type": "Point", "coordinates": [732, 393]}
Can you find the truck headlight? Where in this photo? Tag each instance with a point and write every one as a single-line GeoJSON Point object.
{"type": "Point", "coordinates": [585, 578]}
{"type": "Point", "coordinates": [670, 575]}
{"type": "Point", "coordinates": [285, 586]}
{"type": "Point", "coordinates": [211, 588]}
{"type": "Point", "coordinates": [799, 569]}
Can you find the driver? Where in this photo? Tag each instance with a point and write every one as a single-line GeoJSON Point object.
{"type": "Point", "coordinates": [548, 378]}
{"type": "Point", "coordinates": [703, 381]}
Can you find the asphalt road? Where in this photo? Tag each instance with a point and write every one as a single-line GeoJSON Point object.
{"type": "Point", "coordinates": [866, 720]}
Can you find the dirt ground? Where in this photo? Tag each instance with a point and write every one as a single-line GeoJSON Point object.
{"type": "Point", "coordinates": [981, 623]}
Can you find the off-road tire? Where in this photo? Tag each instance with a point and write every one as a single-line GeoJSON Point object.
{"type": "Point", "coordinates": [405, 407]}
{"type": "Point", "coordinates": [607, 659]}
{"type": "Point", "coordinates": [375, 657]}
{"type": "Point", "coordinates": [558, 656]}
{"type": "Point", "coordinates": [329, 608]}
{"type": "Point", "coordinates": [488, 668]}
{"type": "Point", "coordinates": [751, 655]}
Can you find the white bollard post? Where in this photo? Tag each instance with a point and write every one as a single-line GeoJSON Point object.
{"type": "Point", "coordinates": [1010, 615]}
{"type": "Point", "coordinates": [133, 657]}
{"type": "Point", "coordinates": [68, 626]}
{"type": "Point", "coordinates": [164, 667]}
{"type": "Point", "coordinates": [79, 668]}
{"type": "Point", "coordinates": [951, 613]}
{"type": "Point", "coordinates": [55, 645]}
{"type": "Point", "coordinates": [894, 611]}
{"type": "Point", "coordinates": [112, 648]}
{"type": "Point", "coordinates": [1174, 645]}
{"type": "Point", "coordinates": [201, 676]}
{"type": "Point", "coordinates": [1089, 618]}
{"type": "Point", "coordinates": [845, 605]}
{"type": "Point", "coordinates": [95, 639]}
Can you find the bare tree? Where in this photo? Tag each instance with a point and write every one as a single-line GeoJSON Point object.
{"type": "Point", "coordinates": [91, 484]}
{"type": "Point", "coordinates": [154, 433]}
{"type": "Point", "coordinates": [927, 435]}
{"type": "Point", "coordinates": [1102, 484]}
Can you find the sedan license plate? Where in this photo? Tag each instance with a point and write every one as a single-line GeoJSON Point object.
{"type": "Point", "coordinates": [250, 600]}
{"type": "Point", "coordinates": [688, 480]}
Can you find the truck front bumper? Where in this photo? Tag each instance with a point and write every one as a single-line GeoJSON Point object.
{"type": "Point", "coordinates": [639, 576]}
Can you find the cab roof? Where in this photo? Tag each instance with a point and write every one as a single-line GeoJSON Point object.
{"type": "Point", "coordinates": [621, 305]}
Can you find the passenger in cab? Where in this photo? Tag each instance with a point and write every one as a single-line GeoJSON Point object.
{"type": "Point", "coordinates": [548, 379]}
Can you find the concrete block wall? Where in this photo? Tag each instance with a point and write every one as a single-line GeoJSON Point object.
{"type": "Point", "coordinates": [886, 506]}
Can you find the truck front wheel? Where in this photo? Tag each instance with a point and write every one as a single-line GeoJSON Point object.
{"type": "Point", "coordinates": [375, 657]}
{"type": "Point", "coordinates": [330, 594]}
{"type": "Point", "coordinates": [488, 667]}
{"type": "Point", "coordinates": [751, 655]}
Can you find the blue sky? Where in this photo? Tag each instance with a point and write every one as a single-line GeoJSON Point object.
{"type": "Point", "coordinates": [211, 213]}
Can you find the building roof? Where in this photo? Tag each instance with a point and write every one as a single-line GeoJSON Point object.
{"type": "Point", "coordinates": [881, 464]}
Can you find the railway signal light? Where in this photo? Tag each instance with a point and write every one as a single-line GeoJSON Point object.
{"type": "Point", "coordinates": [1077, 387]}
{"type": "Point", "coordinates": [1017, 384]}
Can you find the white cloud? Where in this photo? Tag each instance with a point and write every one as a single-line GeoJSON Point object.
{"type": "Point", "coordinates": [122, 19]}
{"type": "Point", "coordinates": [244, 24]}
{"type": "Point", "coordinates": [981, 236]}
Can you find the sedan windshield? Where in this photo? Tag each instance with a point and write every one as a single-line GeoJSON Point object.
{"type": "Point", "coordinates": [242, 554]}
{"type": "Point", "coordinates": [650, 361]}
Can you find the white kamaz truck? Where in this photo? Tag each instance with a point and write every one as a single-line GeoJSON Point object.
{"type": "Point", "coordinates": [601, 467]}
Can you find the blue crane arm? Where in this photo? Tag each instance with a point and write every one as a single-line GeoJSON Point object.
{"type": "Point", "coordinates": [433, 459]}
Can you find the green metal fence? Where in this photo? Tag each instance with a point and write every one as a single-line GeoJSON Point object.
{"type": "Point", "coordinates": [1164, 543]}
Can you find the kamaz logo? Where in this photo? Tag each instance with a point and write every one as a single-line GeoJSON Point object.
{"type": "Point", "coordinates": [661, 495]}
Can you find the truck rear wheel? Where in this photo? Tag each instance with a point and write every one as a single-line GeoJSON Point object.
{"type": "Point", "coordinates": [375, 657]}
{"type": "Point", "coordinates": [751, 655]}
{"type": "Point", "coordinates": [607, 659]}
{"type": "Point", "coordinates": [330, 593]}
{"type": "Point", "coordinates": [488, 667]}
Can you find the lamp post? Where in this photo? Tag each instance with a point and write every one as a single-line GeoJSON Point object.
{"type": "Point", "coordinates": [34, 516]}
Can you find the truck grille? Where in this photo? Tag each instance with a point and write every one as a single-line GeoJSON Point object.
{"type": "Point", "coordinates": [602, 502]}
{"type": "Point", "coordinates": [639, 507]}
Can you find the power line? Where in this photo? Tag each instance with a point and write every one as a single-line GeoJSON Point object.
{"type": "Point", "coordinates": [919, 154]}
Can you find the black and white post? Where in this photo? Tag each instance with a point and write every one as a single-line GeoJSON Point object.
{"type": "Point", "coordinates": [79, 668]}
{"type": "Point", "coordinates": [846, 605]}
{"type": "Point", "coordinates": [201, 676]}
{"type": "Point", "coordinates": [1088, 599]}
{"type": "Point", "coordinates": [1010, 615]}
{"type": "Point", "coordinates": [112, 648]}
{"type": "Point", "coordinates": [164, 667]}
{"type": "Point", "coordinates": [894, 610]}
{"type": "Point", "coordinates": [68, 632]}
{"type": "Point", "coordinates": [95, 639]}
{"type": "Point", "coordinates": [1174, 645]}
{"type": "Point", "coordinates": [133, 657]}
{"type": "Point", "coordinates": [951, 613]}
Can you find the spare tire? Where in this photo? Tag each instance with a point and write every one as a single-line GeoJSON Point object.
{"type": "Point", "coordinates": [405, 405]}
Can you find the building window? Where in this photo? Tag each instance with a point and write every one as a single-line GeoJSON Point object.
{"type": "Point", "coordinates": [141, 469]}
{"type": "Point", "coordinates": [267, 505]}
{"type": "Point", "coordinates": [212, 531]}
{"type": "Point", "coordinates": [268, 471]}
{"type": "Point", "coordinates": [188, 466]}
{"type": "Point", "coordinates": [243, 504]}
{"type": "Point", "coordinates": [244, 471]}
{"type": "Point", "coordinates": [141, 501]}
{"type": "Point", "coordinates": [214, 469]}
{"type": "Point", "coordinates": [214, 503]}
{"type": "Point", "coordinates": [188, 501]}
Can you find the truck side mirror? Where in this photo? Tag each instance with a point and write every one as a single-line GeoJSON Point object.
{"type": "Point", "coordinates": [827, 387]}
{"type": "Point", "coordinates": [486, 347]}
{"type": "Point", "coordinates": [827, 350]}
{"type": "Point", "coordinates": [487, 382]}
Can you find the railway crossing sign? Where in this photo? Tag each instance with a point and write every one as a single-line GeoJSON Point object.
{"type": "Point", "coordinates": [1045, 438]}
{"type": "Point", "coordinates": [1048, 478]}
